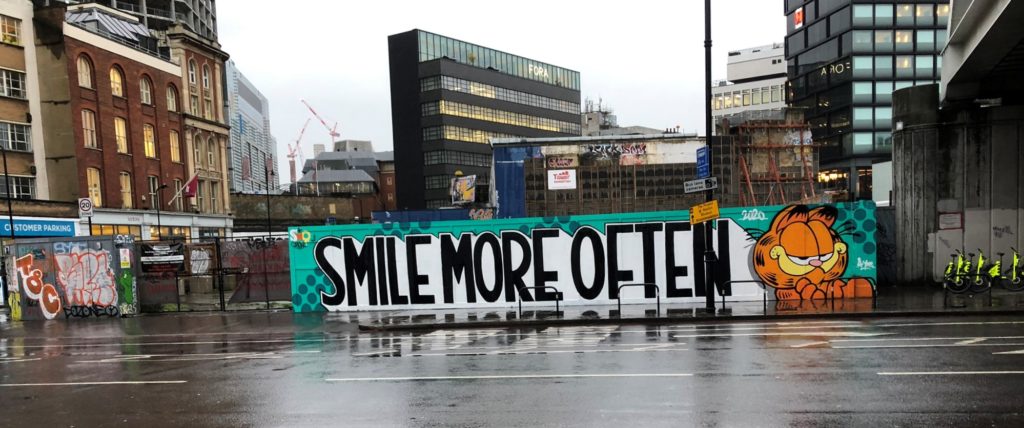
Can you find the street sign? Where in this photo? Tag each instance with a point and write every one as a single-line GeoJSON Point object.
{"type": "Point", "coordinates": [85, 207]}
{"type": "Point", "coordinates": [694, 186]}
{"type": "Point", "coordinates": [703, 163]}
{"type": "Point", "coordinates": [704, 212]}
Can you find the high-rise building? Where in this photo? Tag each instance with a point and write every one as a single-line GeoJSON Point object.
{"type": "Point", "coordinates": [756, 79]}
{"type": "Point", "coordinates": [198, 16]}
{"type": "Point", "coordinates": [253, 150]}
{"type": "Point", "coordinates": [844, 59]}
{"type": "Point", "coordinates": [449, 97]}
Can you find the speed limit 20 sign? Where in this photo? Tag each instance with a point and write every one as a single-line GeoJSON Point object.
{"type": "Point", "coordinates": [85, 207]}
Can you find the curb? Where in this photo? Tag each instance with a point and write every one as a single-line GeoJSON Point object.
{"type": "Point", "coordinates": [707, 319]}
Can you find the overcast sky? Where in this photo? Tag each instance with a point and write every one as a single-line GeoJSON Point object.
{"type": "Point", "coordinates": [643, 58]}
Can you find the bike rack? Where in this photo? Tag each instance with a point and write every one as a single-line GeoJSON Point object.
{"type": "Point", "coordinates": [764, 291]}
{"type": "Point", "coordinates": [558, 297]}
{"type": "Point", "coordinates": [645, 285]}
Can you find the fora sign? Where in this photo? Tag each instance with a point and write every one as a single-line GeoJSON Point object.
{"type": "Point", "coordinates": [538, 71]}
{"type": "Point", "coordinates": [494, 263]}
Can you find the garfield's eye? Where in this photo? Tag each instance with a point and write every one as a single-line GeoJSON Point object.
{"type": "Point", "coordinates": [826, 257]}
{"type": "Point", "coordinates": [802, 261]}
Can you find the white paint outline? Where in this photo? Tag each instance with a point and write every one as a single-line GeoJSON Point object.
{"type": "Point", "coordinates": [1003, 372]}
{"type": "Point", "coordinates": [507, 377]}
{"type": "Point", "coordinates": [125, 382]}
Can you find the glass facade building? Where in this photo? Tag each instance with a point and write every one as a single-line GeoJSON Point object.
{"type": "Point", "coordinates": [449, 98]}
{"type": "Point", "coordinates": [844, 60]}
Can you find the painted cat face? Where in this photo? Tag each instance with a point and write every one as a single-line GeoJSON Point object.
{"type": "Point", "coordinates": [801, 244]}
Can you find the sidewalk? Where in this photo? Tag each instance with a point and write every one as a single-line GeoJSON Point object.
{"type": "Point", "coordinates": [891, 302]}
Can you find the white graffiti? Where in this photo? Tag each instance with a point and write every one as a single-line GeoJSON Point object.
{"type": "Point", "coordinates": [200, 259]}
{"type": "Point", "coordinates": [865, 264]}
{"type": "Point", "coordinates": [754, 215]}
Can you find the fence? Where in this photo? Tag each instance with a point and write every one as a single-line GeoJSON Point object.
{"type": "Point", "coordinates": [214, 274]}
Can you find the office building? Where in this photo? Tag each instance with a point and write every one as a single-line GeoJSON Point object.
{"type": "Point", "coordinates": [600, 120]}
{"type": "Point", "coordinates": [756, 80]}
{"type": "Point", "coordinates": [197, 16]}
{"type": "Point", "coordinates": [449, 97]}
{"type": "Point", "coordinates": [252, 151]}
{"type": "Point", "coordinates": [844, 59]}
{"type": "Point", "coordinates": [353, 146]}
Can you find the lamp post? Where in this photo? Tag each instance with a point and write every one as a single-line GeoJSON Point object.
{"type": "Point", "coordinates": [709, 251]}
{"type": "Point", "coordinates": [10, 219]}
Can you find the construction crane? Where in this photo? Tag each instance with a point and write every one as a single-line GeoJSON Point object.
{"type": "Point", "coordinates": [294, 150]}
{"type": "Point", "coordinates": [332, 131]}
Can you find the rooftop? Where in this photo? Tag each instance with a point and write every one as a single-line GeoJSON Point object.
{"type": "Point", "coordinates": [116, 26]}
{"type": "Point", "coordinates": [592, 139]}
{"type": "Point", "coordinates": [336, 176]}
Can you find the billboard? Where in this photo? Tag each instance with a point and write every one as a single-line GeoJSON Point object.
{"type": "Point", "coordinates": [799, 252]}
{"type": "Point", "coordinates": [561, 179]}
{"type": "Point", "coordinates": [463, 190]}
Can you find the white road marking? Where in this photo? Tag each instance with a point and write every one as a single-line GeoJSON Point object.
{"type": "Point", "coordinates": [197, 357]}
{"type": "Point", "coordinates": [927, 345]}
{"type": "Point", "coordinates": [1020, 352]}
{"type": "Point", "coordinates": [951, 373]}
{"type": "Point", "coordinates": [136, 382]}
{"type": "Point", "coordinates": [17, 360]}
{"type": "Point", "coordinates": [804, 345]}
{"type": "Point", "coordinates": [807, 333]}
{"type": "Point", "coordinates": [972, 341]}
{"type": "Point", "coordinates": [949, 323]}
{"type": "Point", "coordinates": [500, 377]}
{"type": "Point", "coordinates": [911, 339]}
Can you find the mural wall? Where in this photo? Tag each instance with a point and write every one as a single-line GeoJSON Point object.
{"type": "Point", "coordinates": [73, 278]}
{"type": "Point", "coordinates": [799, 252]}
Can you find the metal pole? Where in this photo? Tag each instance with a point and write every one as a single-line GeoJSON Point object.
{"type": "Point", "coordinates": [10, 219]}
{"type": "Point", "coordinates": [709, 252]}
{"type": "Point", "coordinates": [266, 248]}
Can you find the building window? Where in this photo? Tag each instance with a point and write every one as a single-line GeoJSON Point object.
{"type": "Point", "coordinates": [863, 15]}
{"type": "Point", "coordinates": [883, 117]}
{"type": "Point", "coordinates": [116, 82]}
{"type": "Point", "coordinates": [192, 72]}
{"type": "Point", "coordinates": [883, 15]}
{"type": "Point", "coordinates": [905, 66]}
{"type": "Point", "coordinates": [883, 66]}
{"type": "Point", "coordinates": [197, 151]}
{"type": "Point", "coordinates": [11, 29]}
{"type": "Point", "coordinates": [211, 154]}
{"type": "Point", "coordinates": [776, 94]}
{"type": "Point", "coordinates": [925, 14]}
{"type": "Point", "coordinates": [498, 116]}
{"type": "Point", "coordinates": [488, 91]}
{"type": "Point", "coordinates": [95, 186]}
{"type": "Point", "coordinates": [208, 109]}
{"type": "Point", "coordinates": [21, 188]}
{"type": "Point", "coordinates": [862, 41]}
{"type": "Point", "coordinates": [12, 84]}
{"type": "Point", "coordinates": [883, 41]}
{"type": "Point", "coordinates": [904, 14]}
{"type": "Point", "coordinates": [883, 92]}
{"type": "Point", "coordinates": [904, 41]}
{"type": "Point", "coordinates": [85, 72]}
{"type": "Point", "coordinates": [862, 142]}
{"type": "Point", "coordinates": [126, 190]}
{"type": "Point", "coordinates": [149, 140]}
{"type": "Point", "coordinates": [390, 181]}
{"type": "Point", "coordinates": [926, 41]}
{"type": "Point", "coordinates": [16, 137]}
{"type": "Point", "coordinates": [172, 98]}
{"type": "Point", "coordinates": [862, 92]}
{"type": "Point", "coordinates": [942, 12]}
{"type": "Point", "coordinates": [175, 146]}
{"type": "Point", "coordinates": [89, 129]}
{"type": "Point", "coordinates": [178, 205]}
{"type": "Point", "coordinates": [200, 189]}
{"type": "Point", "coordinates": [154, 190]}
{"type": "Point", "coordinates": [862, 66]}
{"type": "Point", "coordinates": [862, 118]}
{"type": "Point", "coordinates": [214, 208]}
{"type": "Point", "coordinates": [746, 98]}
{"type": "Point", "coordinates": [121, 134]}
{"type": "Point", "coordinates": [146, 91]}
{"type": "Point", "coordinates": [194, 105]}
{"type": "Point", "coordinates": [206, 77]}
{"type": "Point", "coordinates": [458, 133]}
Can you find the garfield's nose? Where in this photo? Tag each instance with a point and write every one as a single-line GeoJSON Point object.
{"type": "Point", "coordinates": [815, 262]}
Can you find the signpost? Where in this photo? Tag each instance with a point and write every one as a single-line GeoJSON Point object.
{"type": "Point", "coordinates": [704, 212]}
{"type": "Point", "coordinates": [702, 185]}
{"type": "Point", "coordinates": [85, 209]}
{"type": "Point", "coordinates": [703, 163]}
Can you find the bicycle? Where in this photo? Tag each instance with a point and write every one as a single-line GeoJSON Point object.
{"type": "Point", "coordinates": [956, 273]}
{"type": "Point", "coordinates": [980, 279]}
{"type": "Point", "coordinates": [1015, 280]}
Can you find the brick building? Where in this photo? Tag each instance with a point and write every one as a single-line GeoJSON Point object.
{"type": "Point", "coordinates": [121, 138]}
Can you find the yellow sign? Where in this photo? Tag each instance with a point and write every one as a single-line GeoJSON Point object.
{"type": "Point", "coordinates": [704, 212]}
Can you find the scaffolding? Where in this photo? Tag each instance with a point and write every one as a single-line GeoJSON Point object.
{"type": "Point", "coordinates": [777, 160]}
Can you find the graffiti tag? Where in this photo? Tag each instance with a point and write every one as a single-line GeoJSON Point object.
{"type": "Point", "coordinates": [614, 150]}
{"type": "Point", "coordinates": [999, 232]}
{"type": "Point", "coordinates": [124, 239]}
{"type": "Point", "coordinates": [31, 280]}
{"type": "Point", "coordinates": [754, 215]}
{"type": "Point", "coordinates": [200, 261]}
{"type": "Point", "coordinates": [865, 264]}
{"type": "Point", "coordinates": [562, 162]}
{"type": "Point", "coordinates": [90, 311]}
{"type": "Point", "coordinates": [87, 278]}
{"type": "Point", "coordinates": [481, 213]}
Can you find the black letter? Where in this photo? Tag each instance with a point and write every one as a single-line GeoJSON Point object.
{"type": "Point", "coordinates": [455, 265]}
{"type": "Point", "coordinates": [514, 276]}
{"type": "Point", "coordinates": [338, 297]}
{"type": "Point", "coordinates": [359, 265]}
{"type": "Point", "coordinates": [647, 233]}
{"type": "Point", "coordinates": [415, 280]}
{"type": "Point", "coordinates": [382, 273]}
{"type": "Point", "coordinates": [540, 276]}
{"type": "Point", "coordinates": [592, 292]}
{"type": "Point", "coordinates": [396, 297]}
{"type": "Point", "coordinates": [614, 274]}
{"type": "Point", "coordinates": [723, 269]}
{"type": "Point", "coordinates": [487, 238]}
{"type": "Point", "coordinates": [671, 270]}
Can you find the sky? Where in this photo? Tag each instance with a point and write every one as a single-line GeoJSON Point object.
{"type": "Point", "coordinates": [644, 59]}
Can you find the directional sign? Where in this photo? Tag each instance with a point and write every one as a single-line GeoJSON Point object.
{"type": "Point", "coordinates": [704, 212]}
{"type": "Point", "coordinates": [703, 163]}
{"type": "Point", "coordinates": [694, 186]}
{"type": "Point", "coordinates": [85, 207]}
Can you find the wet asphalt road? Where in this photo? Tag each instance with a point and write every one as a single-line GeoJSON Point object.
{"type": "Point", "coordinates": [280, 369]}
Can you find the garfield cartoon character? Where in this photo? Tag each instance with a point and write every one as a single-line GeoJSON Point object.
{"type": "Point", "coordinates": [803, 257]}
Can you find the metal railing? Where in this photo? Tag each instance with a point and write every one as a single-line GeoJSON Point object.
{"type": "Point", "coordinates": [645, 285]}
{"type": "Point", "coordinates": [558, 297]}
